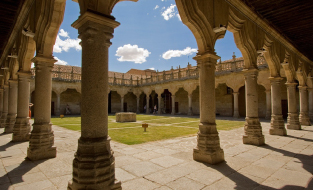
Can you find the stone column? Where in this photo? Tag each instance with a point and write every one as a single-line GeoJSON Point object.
{"type": "Point", "coordinates": [293, 116]}
{"type": "Point", "coordinates": [138, 99]}
{"type": "Point", "coordinates": [236, 109]}
{"type": "Point", "coordinates": [41, 140]}
{"type": "Point", "coordinates": [173, 105]}
{"type": "Point", "coordinates": [1, 104]}
{"type": "Point", "coordinates": [152, 98]}
{"type": "Point", "coordinates": [5, 105]}
{"type": "Point", "coordinates": [208, 143]}
{"type": "Point", "coordinates": [21, 130]}
{"type": "Point", "coordinates": [310, 103]}
{"type": "Point", "coordinates": [190, 104]}
{"type": "Point", "coordinates": [253, 129]}
{"type": "Point", "coordinates": [57, 111]}
{"type": "Point", "coordinates": [122, 103]}
{"type": "Point", "coordinates": [268, 104]}
{"type": "Point", "coordinates": [159, 103]}
{"type": "Point", "coordinates": [94, 163]}
{"type": "Point", "coordinates": [304, 115]}
{"type": "Point", "coordinates": [277, 121]}
{"type": "Point", "coordinates": [12, 107]}
{"type": "Point", "coordinates": [147, 100]}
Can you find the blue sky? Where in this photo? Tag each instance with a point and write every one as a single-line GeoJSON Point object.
{"type": "Point", "coordinates": [151, 35]}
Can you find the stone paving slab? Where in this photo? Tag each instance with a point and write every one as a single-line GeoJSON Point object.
{"type": "Point", "coordinates": [285, 162]}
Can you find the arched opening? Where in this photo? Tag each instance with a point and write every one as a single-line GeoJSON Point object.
{"type": "Point", "coordinates": [167, 101]}
{"type": "Point", "coordinates": [181, 101]}
{"type": "Point", "coordinates": [70, 99]}
{"type": "Point", "coordinates": [115, 102]}
{"type": "Point", "coordinates": [130, 102]}
{"type": "Point", "coordinates": [54, 103]}
{"type": "Point", "coordinates": [242, 101]}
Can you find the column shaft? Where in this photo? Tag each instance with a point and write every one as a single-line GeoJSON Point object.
{"type": "Point", "coordinates": [277, 121]}
{"type": "Point", "coordinates": [173, 104]}
{"type": "Point", "coordinates": [208, 144]}
{"type": "Point", "coordinates": [21, 130]}
{"type": "Point", "coordinates": [253, 129]}
{"type": "Point", "coordinates": [190, 104]}
{"type": "Point", "coordinates": [304, 111]}
{"type": "Point", "coordinates": [293, 116]}
{"type": "Point", "coordinates": [147, 106]}
{"type": "Point", "coordinates": [94, 164]}
{"type": "Point", "coordinates": [41, 140]}
{"type": "Point", "coordinates": [268, 104]}
{"type": "Point", "coordinates": [138, 99]}
{"type": "Point", "coordinates": [159, 104]}
{"type": "Point", "coordinates": [5, 105]}
{"type": "Point", "coordinates": [58, 112]}
{"type": "Point", "coordinates": [236, 109]}
{"type": "Point", "coordinates": [122, 103]}
{"type": "Point", "coordinates": [12, 107]}
{"type": "Point", "coordinates": [311, 103]}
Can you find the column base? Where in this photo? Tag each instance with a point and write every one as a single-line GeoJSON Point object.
{"type": "Point", "coordinates": [253, 132]}
{"type": "Point", "coordinates": [41, 142]}
{"type": "Point", "coordinates": [293, 121]}
{"type": "Point", "coordinates": [21, 130]}
{"type": "Point", "coordinates": [304, 119]}
{"type": "Point", "coordinates": [278, 126]}
{"type": "Point", "coordinates": [3, 119]}
{"type": "Point", "coordinates": [10, 122]}
{"type": "Point", "coordinates": [94, 166]}
{"type": "Point", "coordinates": [208, 148]}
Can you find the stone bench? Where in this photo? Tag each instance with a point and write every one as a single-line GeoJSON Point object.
{"type": "Point", "coordinates": [125, 117]}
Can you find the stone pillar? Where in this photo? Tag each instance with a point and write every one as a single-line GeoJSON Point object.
{"type": "Point", "coordinates": [12, 107]}
{"type": "Point", "coordinates": [277, 121]}
{"type": "Point", "coordinates": [253, 129]}
{"type": "Point", "coordinates": [5, 105]}
{"type": "Point", "coordinates": [21, 130]}
{"type": "Point", "coordinates": [293, 116]}
{"type": "Point", "coordinates": [138, 99]}
{"type": "Point", "coordinates": [147, 105]}
{"type": "Point", "coordinates": [122, 103]}
{"type": "Point", "coordinates": [236, 108]}
{"type": "Point", "coordinates": [41, 140]}
{"type": "Point", "coordinates": [1, 104]}
{"type": "Point", "coordinates": [208, 143]}
{"type": "Point", "coordinates": [152, 98]}
{"type": "Point", "coordinates": [268, 104]}
{"type": "Point", "coordinates": [173, 105]}
{"type": "Point", "coordinates": [159, 103]}
{"type": "Point", "coordinates": [94, 163]}
{"type": "Point", "coordinates": [57, 111]}
{"type": "Point", "coordinates": [304, 115]}
{"type": "Point", "coordinates": [310, 103]}
{"type": "Point", "coordinates": [190, 104]}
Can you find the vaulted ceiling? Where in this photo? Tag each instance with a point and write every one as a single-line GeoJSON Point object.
{"type": "Point", "coordinates": [291, 18]}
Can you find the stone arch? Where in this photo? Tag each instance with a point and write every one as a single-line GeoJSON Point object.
{"type": "Point", "coordinates": [26, 52]}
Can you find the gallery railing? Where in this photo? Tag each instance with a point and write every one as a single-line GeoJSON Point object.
{"type": "Point", "coordinates": [73, 74]}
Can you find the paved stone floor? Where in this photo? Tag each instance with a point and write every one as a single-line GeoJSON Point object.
{"type": "Point", "coordinates": [283, 163]}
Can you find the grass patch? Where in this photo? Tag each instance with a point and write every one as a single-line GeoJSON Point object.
{"type": "Point", "coordinates": [132, 133]}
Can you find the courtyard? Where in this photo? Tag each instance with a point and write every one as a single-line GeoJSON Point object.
{"type": "Point", "coordinates": [285, 162]}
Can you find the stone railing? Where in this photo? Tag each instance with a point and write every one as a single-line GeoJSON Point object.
{"type": "Point", "coordinates": [73, 74]}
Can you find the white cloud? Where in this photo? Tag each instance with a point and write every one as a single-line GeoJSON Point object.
{"type": "Point", "coordinates": [169, 12]}
{"type": "Point", "coordinates": [178, 53]}
{"type": "Point", "coordinates": [178, 16]}
{"type": "Point", "coordinates": [132, 53]}
{"type": "Point", "coordinates": [60, 62]}
{"type": "Point", "coordinates": [156, 7]}
{"type": "Point", "coordinates": [152, 68]}
{"type": "Point", "coordinates": [63, 33]}
{"type": "Point", "coordinates": [64, 45]}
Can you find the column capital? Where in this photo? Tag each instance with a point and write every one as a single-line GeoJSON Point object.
{"type": "Point", "coordinates": [268, 91]}
{"type": "Point", "coordinates": [302, 87]}
{"type": "Point", "coordinates": [41, 60]}
{"type": "Point", "coordinates": [250, 72]}
{"type": "Point", "coordinates": [235, 92]}
{"type": "Point", "coordinates": [26, 74]}
{"type": "Point", "coordinates": [291, 84]}
{"type": "Point", "coordinates": [275, 79]}
{"type": "Point", "coordinates": [207, 58]}
{"type": "Point", "coordinates": [13, 82]}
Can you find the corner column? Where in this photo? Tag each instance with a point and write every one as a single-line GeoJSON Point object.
{"type": "Point", "coordinates": [41, 140]}
{"type": "Point", "coordinates": [253, 129]}
{"type": "Point", "coordinates": [12, 107]}
{"type": "Point", "coordinates": [304, 115]}
{"type": "Point", "coordinates": [21, 130]}
{"type": "Point", "coordinates": [94, 163]}
{"type": "Point", "coordinates": [190, 104]}
{"type": "Point", "coordinates": [293, 116]}
{"type": "Point", "coordinates": [236, 109]}
{"type": "Point", "coordinates": [147, 105]}
{"type": "Point", "coordinates": [277, 121]}
{"type": "Point", "coordinates": [208, 148]}
{"type": "Point", "coordinates": [5, 105]}
{"type": "Point", "coordinates": [268, 104]}
{"type": "Point", "coordinates": [173, 105]}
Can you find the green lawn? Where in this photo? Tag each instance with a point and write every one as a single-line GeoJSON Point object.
{"type": "Point", "coordinates": [160, 127]}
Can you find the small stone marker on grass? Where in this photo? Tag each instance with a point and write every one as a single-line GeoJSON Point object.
{"type": "Point", "coordinates": [144, 126]}
{"type": "Point", "coordinates": [125, 117]}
